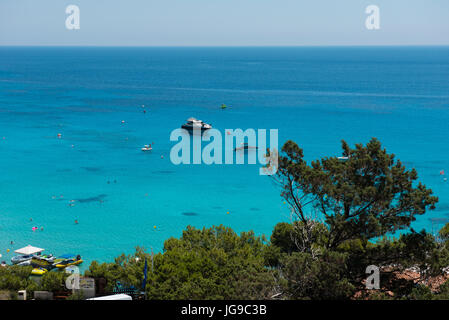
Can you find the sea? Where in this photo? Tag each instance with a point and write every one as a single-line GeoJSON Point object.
{"type": "Point", "coordinates": [73, 177]}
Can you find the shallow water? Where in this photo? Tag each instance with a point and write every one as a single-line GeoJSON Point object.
{"type": "Point", "coordinates": [125, 197]}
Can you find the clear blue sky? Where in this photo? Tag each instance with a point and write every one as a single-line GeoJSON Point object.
{"type": "Point", "coordinates": [224, 22]}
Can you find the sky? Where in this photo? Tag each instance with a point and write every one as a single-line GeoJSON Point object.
{"type": "Point", "coordinates": [223, 23]}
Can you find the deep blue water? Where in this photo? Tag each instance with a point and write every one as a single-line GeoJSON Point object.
{"type": "Point", "coordinates": [315, 96]}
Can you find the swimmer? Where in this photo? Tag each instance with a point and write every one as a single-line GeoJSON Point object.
{"type": "Point", "coordinates": [76, 221]}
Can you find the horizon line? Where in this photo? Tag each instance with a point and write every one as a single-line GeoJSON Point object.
{"type": "Point", "coordinates": [225, 46]}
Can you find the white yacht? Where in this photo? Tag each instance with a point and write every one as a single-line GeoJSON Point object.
{"type": "Point", "coordinates": [193, 123]}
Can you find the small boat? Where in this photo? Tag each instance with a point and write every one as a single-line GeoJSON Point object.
{"type": "Point", "coordinates": [24, 263]}
{"type": "Point", "coordinates": [195, 124]}
{"type": "Point", "coordinates": [245, 146]}
{"type": "Point", "coordinates": [21, 258]}
{"type": "Point", "coordinates": [42, 261]}
{"type": "Point", "coordinates": [67, 260]}
{"type": "Point", "coordinates": [39, 271]}
{"type": "Point", "coordinates": [147, 147]}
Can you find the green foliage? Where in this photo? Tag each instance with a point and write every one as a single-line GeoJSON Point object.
{"type": "Point", "coordinates": [444, 232]}
{"type": "Point", "coordinates": [76, 296]}
{"type": "Point", "coordinates": [282, 237]}
{"type": "Point", "coordinates": [16, 278]}
{"type": "Point", "coordinates": [367, 195]}
{"type": "Point", "coordinates": [213, 263]}
{"type": "Point", "coordinates": [53, 281]}
{"type": "Point", "coordinates": [420, 292]}
{"type": "Point", "coordinates": [126, 269]}
{"type": "Point", "coordinates": [316, 279]}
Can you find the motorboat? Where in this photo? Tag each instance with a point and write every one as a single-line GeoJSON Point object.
{"type": "Point", "coordinates": [245, 146]}
{"type": "Point", "coordinates": [67, 260]}
{"type": "Point", "coordinates": [147, 147]}
{"type": "Point", "coordinates": [45, 261]}
{"type": "Point", "coordinates": [24, 263]}
{"type": "Point", "coordinates": [21, 258]}
{"type": "Point", "coordinates": [195, 124]}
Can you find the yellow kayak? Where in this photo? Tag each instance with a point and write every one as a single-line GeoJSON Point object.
{"type": "Point", "coordinates": [67, 263]}
{"type": "Point", "coordinates": [39, 271]}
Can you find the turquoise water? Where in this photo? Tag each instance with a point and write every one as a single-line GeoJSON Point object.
{"type": "Point", "coordinates": [315, 96]}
